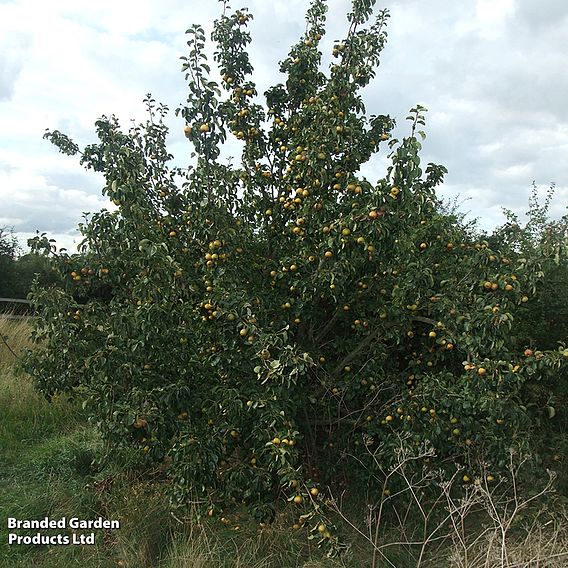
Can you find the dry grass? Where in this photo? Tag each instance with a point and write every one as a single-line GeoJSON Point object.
{"type": "Point", "coordinates": [14, 338]}
{"type": "Point", "coordinates": [540, 546]}
{"type": "Point", "coordinates": [273, 547]}
{"type": "Point", "coordinates": [507, 524]}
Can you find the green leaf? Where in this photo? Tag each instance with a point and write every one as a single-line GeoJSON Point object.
{"type": "Point", "coordinates": [551, 411]}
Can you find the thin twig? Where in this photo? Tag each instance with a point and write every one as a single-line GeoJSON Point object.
{"type": "Point", "coordinates": [8, 346]}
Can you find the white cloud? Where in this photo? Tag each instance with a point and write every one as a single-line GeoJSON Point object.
{"type": "Point", "coordinates": [493, 12]}
{"type": "Point", "coordinates": [517, 172]}
{"type": "Point", "coordinates": [490, 72]}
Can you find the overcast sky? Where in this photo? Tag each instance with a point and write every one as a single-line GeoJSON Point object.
{"type": "Point", "coordinates": [492, 74]}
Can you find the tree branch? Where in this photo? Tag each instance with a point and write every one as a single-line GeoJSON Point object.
{"type": "Point", "coordinates": [365, 343]}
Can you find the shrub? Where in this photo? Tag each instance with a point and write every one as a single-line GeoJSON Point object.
{"type": "Point", "coordinates": [265, 320]}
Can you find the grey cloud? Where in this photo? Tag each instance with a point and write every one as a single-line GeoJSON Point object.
{"type": "Point", "coordinates": [49, 222]}
{"type": "Point", "coordinates": [542, 14]}
{"type": "Point", "coordinates": [507, 92]}
{"type": "Point", "coordinates": [57, 216]}
{"type": "Point", "coordinates": [87, 183]}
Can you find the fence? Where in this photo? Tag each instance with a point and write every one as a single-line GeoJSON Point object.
{"type": "Point", "coordinates": [15, 308]}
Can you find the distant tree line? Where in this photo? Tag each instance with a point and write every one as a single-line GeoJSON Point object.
{"type": "Point", "coordinates": [18, 269]}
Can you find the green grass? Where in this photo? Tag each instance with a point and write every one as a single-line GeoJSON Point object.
{"type": "Point", "coordinates": [53, 465]}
